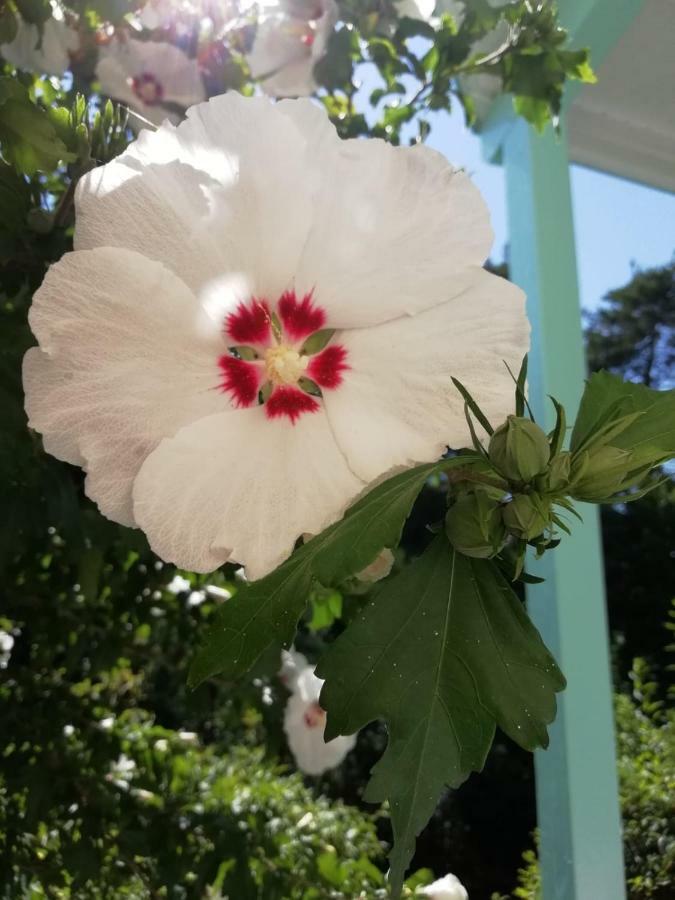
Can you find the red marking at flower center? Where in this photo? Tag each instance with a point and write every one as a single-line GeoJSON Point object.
{"type": "Point", "coordinates": [148, 88]}
{"type": "Point", "coordinates": [269, 363]}
{"type": "Point", "coordinates": [326, 368]}
{"type": "Point", "coordinates": [300, 319]}
{"type": "Point", "coordinates": [314, 716]}
{"type": "Point", "coordinates": [251, 323]}
{"type": "Point", "coordinates": [291, 402]}
{"type": "Point", "coordinates": [240, 379]}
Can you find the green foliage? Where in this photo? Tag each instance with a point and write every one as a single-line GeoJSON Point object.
{"type": "Point", "coordinates": [28, 139]}
{"type": "Point", "coordinates": [622, 432]}
{"type": "Point", "coordinates": [264, 616]}
{"type": "Point", "coordinates": [115, 781]}
{"type": "Point", "coordinates": [646, 767]}
{"type": "Point", "coordinates": [646, 761]}
{"type": "Point", "coordinates": [442, 653]}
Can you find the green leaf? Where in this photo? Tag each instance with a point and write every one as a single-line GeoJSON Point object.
{"type": "Point", "coordinates": [650, 435]}
{"type": "Point", "coordinates": [28, 138]}
{"type": "Point", "coordinates": [326, 605]}
{"type": "Point", "coordinates": [443, 652]}
{"type": "Point", "coordinates": [558, 436]}
{"type": "Point", "coordinates": [334, 69]}
{"type": "Point", "coordinates": [533, 110]}
{"type": "Point", "coordinates": [14, 199]}
{"type": "Point", "coordinates": [8, 25]}
{"type": "Point", "coordinates": [521, 380]}
{"type": "Point", "coordinates": [265, 613]}
{"type": "Point", "coordinates": [473, 406]}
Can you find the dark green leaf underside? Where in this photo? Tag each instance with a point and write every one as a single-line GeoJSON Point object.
{"type": "Point", "coordinates": [442, 653]}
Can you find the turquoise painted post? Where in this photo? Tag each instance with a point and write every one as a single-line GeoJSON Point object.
{"type": "Point", "coordinates": [577, 795]}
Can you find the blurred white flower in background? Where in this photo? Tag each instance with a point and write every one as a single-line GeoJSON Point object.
{"type": "Point", "coordinates": [178, 585]}
{"type": "Point", "coordinates": [287, 47]}
{"type": "Point", "coordinates": [447, 888]}
{"type": "Point", "coordinates": [166, 13]}
{"type": "Point", "coordinates": [292, 664]}
{"type": "Point", "coordinates": [123, 769]}
{"type": "Point", "coordinates": [147, 76]}
{"type": "Point", "coordinates": [6, 644]}
{"type": "Point", "coordinates": [48, 53]}
{"type": "Point", "coordinates": [304, 724]}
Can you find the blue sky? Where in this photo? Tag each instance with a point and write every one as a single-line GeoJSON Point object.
{"type": "Point", "coordinates": [617, 222]}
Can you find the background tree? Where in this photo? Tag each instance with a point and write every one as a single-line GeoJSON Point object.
{"type": "Point", "coordinates": [633, 332]}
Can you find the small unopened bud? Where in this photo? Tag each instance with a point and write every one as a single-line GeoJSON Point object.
{"type": "Point", "coordinates": [379, 568]}
{"type": "Point", "coordinates": [557, 477]}
{"type": "Point", "coordinates": [474, 526]}
{"type": "Point", "coordinates": [598, 473]}
{"type": "Point", "coordinates": [40, 220]}
{"type": "Point", "coordinates": [519, 449]}
{"type": "Point", "coordinates": [527, 515]}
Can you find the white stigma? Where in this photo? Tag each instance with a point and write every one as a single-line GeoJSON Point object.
{"type": "Point", "coordinates": [284, 364]}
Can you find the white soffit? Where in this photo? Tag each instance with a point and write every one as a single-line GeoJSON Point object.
{"type": "Point", "coordinates": [625, 124]}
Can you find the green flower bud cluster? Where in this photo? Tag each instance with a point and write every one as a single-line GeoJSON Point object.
{"type": "Point", "coordinates": [474, 525]}
{"type": "Point", "coordinates": [519, 450]}
{"type": "Point", "coordinates": [478, 525]}
{"type": "Point", "coordinates": [527, 516]}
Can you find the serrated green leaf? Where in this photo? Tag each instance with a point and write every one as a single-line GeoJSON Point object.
{"type": "Point", "coordinates": [442, 653]}
{"type": "Point", "coordinates": [649, 435]}
{"type": "Point", "coordinates": [266, 612]}
{"type": "Point", "coordinates": [535, 111]}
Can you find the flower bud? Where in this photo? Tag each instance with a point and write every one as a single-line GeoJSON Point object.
{"type": "Point", "coordinates": [379, 568]}
{"type": "Point", "coordinates": [519, 449]}
{"type": "Point", "coordinates": [527, 515]}
{"type": "Point", "coordinates": [556, 478]}
{"type": "Point", "coordinates": [474, 526]}
{"type": "Point", "coordinates": [598, 473]}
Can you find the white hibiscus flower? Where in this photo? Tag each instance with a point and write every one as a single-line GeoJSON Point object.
{"type": "Point", "coordinates": [287, 47]}
{"type": "Point", "coordinates": [447, 888]}
{"type": "Point", "coordinates": [304, 724]}
{"type": "Point", "coordinates": [253, 226]}
{"type": "Point", "coordinates": [49, 55]}
{"type": "Point", "coordinates": [147, 75]}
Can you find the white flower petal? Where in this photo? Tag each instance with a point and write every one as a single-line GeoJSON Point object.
{"type": "Point", "coordinates": [394, 229]}
{"type": "Point", "coordinates": [51, 56]}
{"type": "Point", "coordinates": [447, 888]}
{"type": "Point", "coordinates": [397, 404]}
{"type": "Point", "coordinates": [162, 211]}
{"type": "Point", "coordinates": [292, 664]}
{"type": "Point", "coordinates": [241, 486]}
{"type": "Point", "coordinates": [127, 357]}
{"type": "Point", "coordinates": [286, 49]}
{"type": "Point", "coordinates": [259, 188]}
